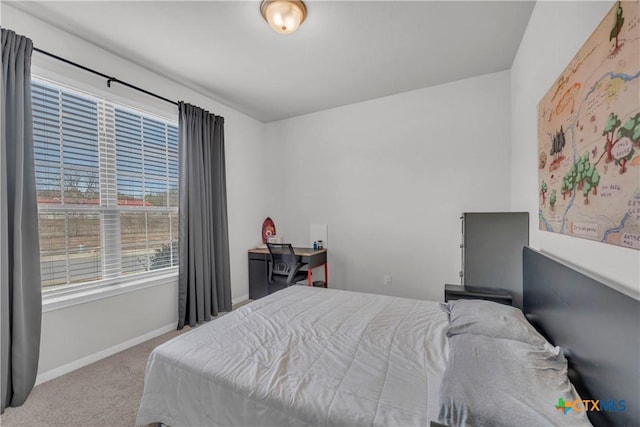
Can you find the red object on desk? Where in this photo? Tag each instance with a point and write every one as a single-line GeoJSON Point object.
{"type": "Point", "coordinates": [268, 229]}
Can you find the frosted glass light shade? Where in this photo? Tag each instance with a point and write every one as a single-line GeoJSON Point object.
{"type": "Point", "coordinates": [283, 16]}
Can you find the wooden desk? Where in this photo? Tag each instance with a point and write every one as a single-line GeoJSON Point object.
{"type": "Point", "coordinates": [259, 285]}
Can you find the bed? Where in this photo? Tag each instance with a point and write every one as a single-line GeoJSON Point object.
{"type": "Point", "coordinates": [303, 356]}
{"type": "Point", "coordinates": [310, 356]}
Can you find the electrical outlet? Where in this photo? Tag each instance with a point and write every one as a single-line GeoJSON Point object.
{"type": "Point", "coordinates": [387, 279]}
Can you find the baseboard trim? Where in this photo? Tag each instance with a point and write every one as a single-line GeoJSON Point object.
{"type": "Point", "coordinates": [240, 304]}
{"type": "Point", "coordinates": [77, 364]}
{"type": "Point", "coordinates": [240, 299]}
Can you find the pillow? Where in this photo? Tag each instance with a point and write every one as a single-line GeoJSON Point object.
{"type": "Point", "coordinates": [479, 317]}
{"type": "Point", "coordinates": [501, 382]}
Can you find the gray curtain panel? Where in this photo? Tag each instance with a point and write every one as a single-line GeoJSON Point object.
{"type": "Point", "coordinates": [204, 286]}
{"type": "Point", "coordinates": [21, 291]}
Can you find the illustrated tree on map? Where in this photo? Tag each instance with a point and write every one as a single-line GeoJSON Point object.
{"type": "Point", "coordinates": [569, 182]}
{"type": "Point", "coordinates": [591, 181]}
{"type": "Point", "coordinates": [617, 26]}
{"type": "Point", "coordinates": [583, 176]}
{"type": "Point", "coordinates": [565, 188]}
{"type": "Point", "coordinates": [557, 144]}
{"type": "Point", "coordinates": [543, 192]}
{"type": "Point", "coordinates": [631, 129]}
{"type": "Point", "coordinates": [622, 161]}
{"type": "Point", "coordinates": [552, 199]}
{"type": "Point", "coordinates": [609, 131]}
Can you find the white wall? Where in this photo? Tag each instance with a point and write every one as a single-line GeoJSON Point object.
{"type": "Point", "coordinates": [79, 333]}
{"type": "Point", "coordinates": [556, 31]}
{"type": "Point", "coordinates": [391, 177]}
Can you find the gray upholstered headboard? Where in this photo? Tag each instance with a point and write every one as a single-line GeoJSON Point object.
{"type": "Point", "coordinates": [597, 326]}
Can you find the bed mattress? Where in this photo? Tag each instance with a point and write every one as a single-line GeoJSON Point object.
{"type": "Point", "coordinates": [303, 356]}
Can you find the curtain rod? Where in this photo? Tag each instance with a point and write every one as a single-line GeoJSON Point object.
{"type": "Point", "coordinates": [109, 78]}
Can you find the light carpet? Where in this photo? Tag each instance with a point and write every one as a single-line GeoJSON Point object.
{"type": "Point", "coordinates": [105, 393]}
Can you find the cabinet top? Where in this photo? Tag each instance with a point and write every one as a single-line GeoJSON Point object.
{"type": "Point", "coordinates": [477, 291]}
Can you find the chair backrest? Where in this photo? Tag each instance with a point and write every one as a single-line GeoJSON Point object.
{"type": "Point", "coordinates": [283, 258]}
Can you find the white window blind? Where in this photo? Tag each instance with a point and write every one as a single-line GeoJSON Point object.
{"type": "Point", "coordinates": [107, 182]}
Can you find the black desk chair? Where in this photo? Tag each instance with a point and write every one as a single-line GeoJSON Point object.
{"type": "Point", "coordinates": [284, 265]}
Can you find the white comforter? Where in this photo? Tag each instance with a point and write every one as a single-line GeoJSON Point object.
{"type": "Point", "coordinates": [303, 356]}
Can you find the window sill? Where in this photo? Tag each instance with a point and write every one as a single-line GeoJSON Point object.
{"type": "Point", "coordinates": [61, 298]}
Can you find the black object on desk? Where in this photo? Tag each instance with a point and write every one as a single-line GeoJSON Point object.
{"type": "Point", "coordinates": [453, 292]}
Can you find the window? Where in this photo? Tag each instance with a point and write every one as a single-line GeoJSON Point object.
{"type": "Point", "coordinates": [107, 183]}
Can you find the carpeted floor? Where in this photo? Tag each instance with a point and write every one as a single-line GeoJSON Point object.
{"type": "Point", "coordinates": [105, 393]}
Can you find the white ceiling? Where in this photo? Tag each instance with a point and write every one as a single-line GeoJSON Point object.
{"type": "Point", "coordinates": [344, 52]}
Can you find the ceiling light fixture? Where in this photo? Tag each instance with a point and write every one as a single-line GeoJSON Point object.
{"type": "Point", "coordinates": [283, 16]}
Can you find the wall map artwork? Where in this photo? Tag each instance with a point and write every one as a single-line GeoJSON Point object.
{"type": "Point", "coordinates": [589, 137]}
